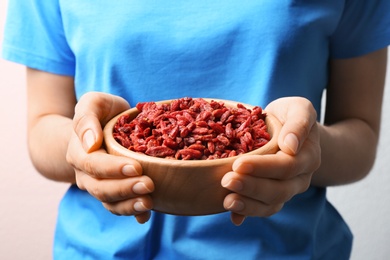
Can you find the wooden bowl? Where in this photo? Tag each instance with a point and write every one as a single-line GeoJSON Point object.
{"type": "Point", "coordinates": [187, 187]}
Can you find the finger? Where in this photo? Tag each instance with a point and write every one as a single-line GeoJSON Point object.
{"type": "Point", "coordinates": [248, 207]}
{"type": "Point", "coordinates": [298, 118]}
{"type": "Point", "coordinates": [115, 190]}
{"type": "Point", "coordinates": [268, 191]}
{"type": "Point", "coordinates": [138, 207]}
{"type": "Point", "coordinates": [143, 217]}
{"type": "Point", "coordinates": [283, 165]}
{"type": "Point", "coordinates": [99, 164]}
{"type": "Point", "coordinates": [237, 219]}
{"type": "Point", "coordinates": [299, 123]}
{"type": "Point", "coordinates": [279, 166]}
{"type": "Point", "coordinates": [92, 112]}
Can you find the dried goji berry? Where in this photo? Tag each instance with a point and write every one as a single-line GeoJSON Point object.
{"type": "Point", "coordinates": [192, 129]}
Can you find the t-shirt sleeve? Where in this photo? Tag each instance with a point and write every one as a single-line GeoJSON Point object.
{"type": "Point", "coordinates": [34, 36]}
{"type": "Point", "coordinates": [364, 27]}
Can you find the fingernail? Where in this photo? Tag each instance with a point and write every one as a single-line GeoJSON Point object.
{"type": "Point", "coordinates": [140, 206]}
{"type": "Point", "coordinates": [234, 185]}
{"type": "Point", "coordinates": [292, 142]}
{"type": "Point", "coordinates": [129, 170]}
{"type": "Point", "coordinates": [236, 205]}
{"type": "Point", "coordinates": [140, 188]}
{"type": "Point", "coordinates": [88, 139]}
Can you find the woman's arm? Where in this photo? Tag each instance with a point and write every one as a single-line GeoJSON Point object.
{"type": "Point", "coordinates": [65, 144]}
{"type": "Point", "coordinates": [340, 152]}
{"type": "Point", "coordinates": [50, 104]}
{"type": "Point", "coordinates": [352, 120]}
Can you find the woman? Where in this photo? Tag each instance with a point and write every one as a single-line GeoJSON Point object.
{"type": "Point", "coordinates": [86, 62]}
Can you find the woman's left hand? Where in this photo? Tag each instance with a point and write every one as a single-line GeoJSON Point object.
{"type": "Point", "coordinates": [262, 184]}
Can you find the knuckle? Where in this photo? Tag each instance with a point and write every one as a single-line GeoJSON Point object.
{"type": "Point", "coordinates": [69, 159]}
{"type": "Point", "coordinates": [272, 209]}
{"type": "Point", "coordinates": [97, 192]}
{"type": "Point", "coordinates": [123, 192]}
{"type": "Point", "coordinates": [306, 126]}
{"type": "Point", "coordinates": [83, 109]}
{"type": "Point", "coordinates": [306, 122]}
{"type": "Point", "coordinates": [314, 157]}
{"type": "Point", "coordinates": [88, 165]}
{"type": "Point", "coordinates": [79, 182]}
{"type": "Point", "coordinates": [291, 167]}
{"type": "Point", "coordinates": [307, 104]}
{"type": "Point", "coordinates": [317, 161]}
{"type": "Point", "coordinates": [90, 168]}
{"type": "Point", "coordinates": [110, 208]}
{"type": "Point", "coordinates": [87, 98]}
{"type": "Point", "coordinates": [80, 123]}
{"type": "Point", "coordinates": [280, 196]}
{"type": "Point", "coordinates": [305, 182]}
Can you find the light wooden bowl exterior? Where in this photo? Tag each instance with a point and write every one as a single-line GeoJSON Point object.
{"type": "Point", "coordinates": [187, 187]}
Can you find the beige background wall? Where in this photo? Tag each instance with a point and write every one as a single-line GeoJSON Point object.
{"type": "Point", "coordinates": [28, 202]}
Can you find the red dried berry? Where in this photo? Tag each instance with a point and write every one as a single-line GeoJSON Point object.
{"type": "Point", "coordinates": [192, 129]}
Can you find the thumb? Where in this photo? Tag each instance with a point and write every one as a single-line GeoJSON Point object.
{"type": "Point", "coordinates": [92, 112]}
{"type": "Point", "coordinates": [298, 117]}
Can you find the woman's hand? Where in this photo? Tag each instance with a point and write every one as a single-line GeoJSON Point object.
{"type": "Point", "coordinates": [116, 181]}
{"type": "Point", "coordinates": [261, 184]}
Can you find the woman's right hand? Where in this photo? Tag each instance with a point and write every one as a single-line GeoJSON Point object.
{"type": "Point", "coordinates": [114, 180]}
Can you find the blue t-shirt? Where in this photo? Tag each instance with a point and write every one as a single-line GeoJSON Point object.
{"type": "Point", "coordinates": [249, 51]}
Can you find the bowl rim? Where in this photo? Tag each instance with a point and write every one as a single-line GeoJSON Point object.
{"type": "Point", "coordinates": [110, 141]}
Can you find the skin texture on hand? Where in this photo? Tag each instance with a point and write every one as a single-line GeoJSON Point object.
{"type": "Point", "coordinates": [261, 184]}
{"type": "Point", "coordinates": [116, 181]}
